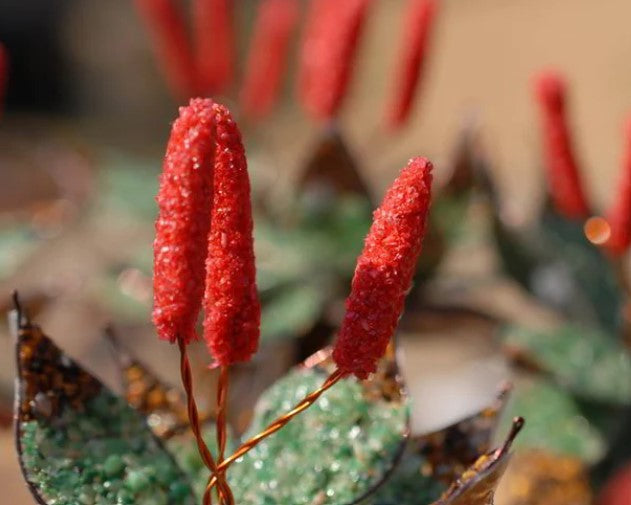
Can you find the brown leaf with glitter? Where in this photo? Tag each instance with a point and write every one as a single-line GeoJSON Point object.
{"type": "Point", "coordinates": [449, 451]}
{"type": "Point", "coordinates": [162, 404]}
{"type": "Point", "coordinates": [477, 485]}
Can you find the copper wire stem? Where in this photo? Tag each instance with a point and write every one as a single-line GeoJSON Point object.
{"type": "Point", "coordinates": [222, 405]}
{"type": "Point", "coordinates": [193, 416]}
{"type": "Point", "coordinates": [273, 427]}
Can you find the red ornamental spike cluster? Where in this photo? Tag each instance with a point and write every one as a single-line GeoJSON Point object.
{"type": "Point", "coordinates": [267, 59]}
{"type": "Point", "coordinates": [171, 45]}
{"type": "Point", "coordinates": [384, 271]}
{"type": "Point", "coordinates": [332, 34]}
{"type": "Point", "coordinates": [419, 18]}
{"type": "Point", "coordinates": [233, 312]}
{"type": "Point", "coordinates": [619, 217]}
{"type": "Point", "coordinates": [214, 39]}
{"type": "Point", "coordinates": [204, 231]}
{"type": "Point", "coordinates": [564, 182]}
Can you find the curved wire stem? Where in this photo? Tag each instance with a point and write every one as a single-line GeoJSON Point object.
{"type": "Point", "coordinates": [273, 427]}
{"type": "Point", "coordinates": [193, 415]}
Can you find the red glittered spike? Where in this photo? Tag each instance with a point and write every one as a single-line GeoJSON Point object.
{"type": "Point", "coordinates": [184, 202]}
{"type": "Point", "coordinates": [619, 217]}
{"type": "Point", "coordinates": [564, 180]}
{"type": "Point", "coordinates": [419, 18]}
{"type": "Point", "coordinates": [4, 75]}
{"type": "Point", "coordinates": [332, 35]}
{"type": "Point", "coordinates": [214, 41]}
{"type": "Point", "coordinates": [171, 45]}
{"type": "Point", "coordinates": [267, 59]}
{"type": "Point", "coordinates": [231, 304]}
{"type": "Point", "coordinates": [384, 271]}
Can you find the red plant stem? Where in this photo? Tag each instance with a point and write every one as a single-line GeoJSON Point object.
{"type": "Point", "coordinates": [384, 271]}
{"type": "Point", "coordinates": [232, 308]}
{"type": "Point", "coordinates": [267, 58]}
{"type": "Point", "coordinates": [171, 45]}
{"type": "Point", "coordinates": [193, 416]}
{"type": "Point", "coordinates": [566, 190]}
{"type": "Point", "coordinates": [276, 425]}
{"type": "Point", "coordinates": [619, 216]}
{"type": "Point", "coordinates": [214, 43]}
{"type": "Point", "coordinates": [419, 19]}
{"type": "Point", "coordinates": [184, 203]}
{"type": "Point", "coordinates": [328, 52]}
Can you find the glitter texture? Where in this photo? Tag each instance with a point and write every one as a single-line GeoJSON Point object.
{"type": "Point", "coordinates": [171, 45]}
{"type": "Point", "coordinates": [418, 18]}
{"type": "Point", "coordinates": [564, 181]}
{"type": "Point", "coordinates": [184, 202]}
{"type": "Point", "coordinates": [233, 312]}
{"type": "Point", "coordinates": [332, 34]}
{"type": "Point", "coordinates": [619, 217]}
{"type": "Point", "coordinates": [214, 39]}
{"type": "Point", "coordinates": [267, 59]}
{"type": "Point", "coordinates": [384, 271]}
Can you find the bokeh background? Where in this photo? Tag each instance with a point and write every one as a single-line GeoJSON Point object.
{"type": "Point", "coordinates": [87, 114]}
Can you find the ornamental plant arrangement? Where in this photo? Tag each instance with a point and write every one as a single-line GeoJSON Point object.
{"type": "Point", "coordinates": [334, 430]}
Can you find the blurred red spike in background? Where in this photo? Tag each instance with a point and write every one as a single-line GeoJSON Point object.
{"type": "Point", "coordinates": [267, 58]}
{"type": "Point", "coordinates": [231, 304]}
{"type": "Point", "coordinates": [619, 216]}
{"type": "Point", "coordinates": [332, 34]}
{"type": "Point", "coordinates": [418, 21]}
{"type": "Point", "coordinates": [214, 44]}
{"type": "Point", "coordinates": [564, 182]}
{"type": "Point", "coordinates": [171, 45]}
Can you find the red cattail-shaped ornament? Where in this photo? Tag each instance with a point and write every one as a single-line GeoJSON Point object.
{"type": "Point", "coordinates": [566, 190]}
{"type": "Point", "coordinates": [214, 40]}
{"type": "Point", "coordinates": [619, 217]}
{"type": "Point", "coordinates": [171, 45]}
{"type": "Point", "coordinates": [332, 35]}
{"type": "Point", "coordinates": [232, 308]}
{"type": "Point", "coordinates": [184, 202]}
{"type": "Point", "coordinates": [419, 19]}
{"type": "Point", "coordinates": [384, 271]}
{"type": "Point", "coordinates": [267, 59]}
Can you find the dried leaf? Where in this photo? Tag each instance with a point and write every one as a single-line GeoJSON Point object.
{"type": "Point", "coordinates": [477, 485]}
{"type": "Point", "coordinates": [78, 442]}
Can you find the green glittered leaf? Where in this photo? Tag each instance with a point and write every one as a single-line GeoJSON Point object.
{"type": "Point", "coordinates": [555, 422]}
{"type": "Point", "coordinates": [588, 362]}
{"type": "Point", "coordinates": [78, 442]}
{"type": "Point", "coordinates": [335, 452]}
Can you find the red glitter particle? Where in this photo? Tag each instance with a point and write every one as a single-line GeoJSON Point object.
{"type": "Point", "coordinates": [184, 202]}
{"type": "Point", "coordinates": [564, 181]}
{"type": "Point", "coordinates": [171, 45]}
{"type": "Point", "coordinates": [419, 17]}
{"type": "Point", "coordinates": [214, 40]}
{"type": "Point", "coordinates": [619, 217]}
{"type": "Point", "coordinates": [233, 312]}
{"type": "Point", "coordinates": [384, 271]}
{"type": "Point", "coordinates": [332, 35]}
{"type": "Point", "coordinates": [267, 59]}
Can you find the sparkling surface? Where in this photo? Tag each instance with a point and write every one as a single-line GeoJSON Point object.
{"type": "Point", "coordinates": [332, 453]}
{"type": "Point", "coordinates": [102, 455]}
{"type": "Point", "coordinates": [231, 304]}
{"type": "Point", "coordinates": [184, 201]}
{"type": "Point", "coordinates": [384, 271]}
